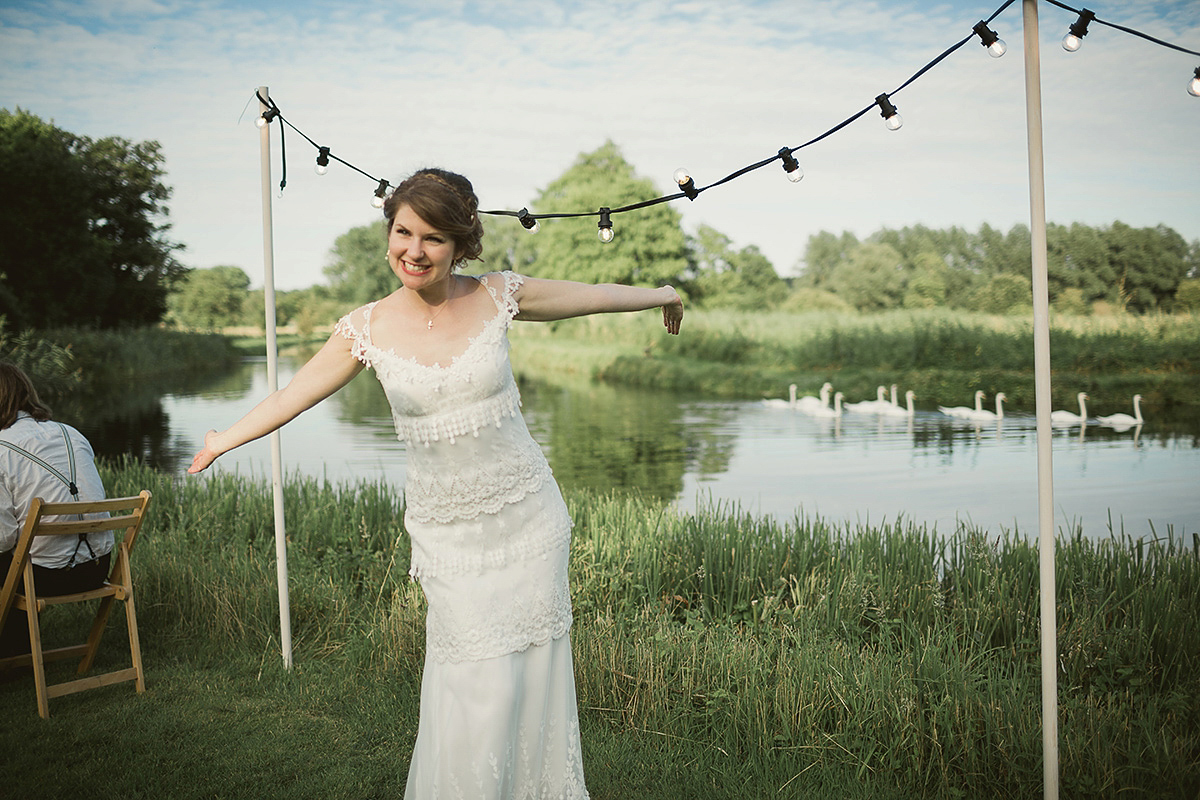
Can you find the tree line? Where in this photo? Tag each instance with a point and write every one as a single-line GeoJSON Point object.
{"type": "Point", "coordinates": [85, 243]}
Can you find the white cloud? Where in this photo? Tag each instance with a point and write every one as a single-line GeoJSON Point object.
{"type": "Point", "coordinates": [510, 97]}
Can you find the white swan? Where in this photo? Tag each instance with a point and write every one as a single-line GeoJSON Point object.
{"type": "Point", "coordinates": [963, 411]}
{"type": "Point", "coordinates": [983, 415]}
{"type": "Point", "coordinates": [775, 402]}
{"type": "Point", "coordinates": [1069, 417]}
{"type": "Point", "coordinates": [829, 413]}
{"type": "Point", "coordinates": [901, 411]}
{"type": "Point", "coordinates": [870, 406]}
{"type": "Point", "coordinates": [808, 402]}
{"type": "Point", "coordinates": [1124, 421]}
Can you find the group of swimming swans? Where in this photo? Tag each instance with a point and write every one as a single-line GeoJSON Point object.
{"type": "Point", "coordinates": [1119, 421]}
{"type": "Point", "coordinates": [819, 406]}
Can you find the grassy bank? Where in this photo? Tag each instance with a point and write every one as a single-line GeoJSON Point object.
{"type": "Point", "coordinates": [717, 655]}
{"type": "Point", "coordinates": [943, 356]}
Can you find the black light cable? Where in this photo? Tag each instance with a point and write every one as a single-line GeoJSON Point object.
{"type": "Point", "coordinates": [786, 155]}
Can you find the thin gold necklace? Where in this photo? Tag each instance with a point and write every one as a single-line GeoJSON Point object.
{"type": "Point", "coordinates": [442, 307]}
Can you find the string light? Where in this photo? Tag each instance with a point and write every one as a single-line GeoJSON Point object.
{"type": "Point", "coordinates": [686, 184]}
{"type": "Point", "coordinates": [264, 119]}
{"type": "Point", "coordinates": [888, 112]}
{"type": "Point", "coordinates": [322, 161]}
{"type": "Point", "coordinates": [790, 165]}
{"type": "Point", "coordinates": [1074, 38]}
{"type": "Point", "coordinates": [605, 225]}
{"type": "Point", "coordinates": [380, 193]}
{"type": "Point", "coordinates": [988, 38]}
{"type": "Point", "coordinates": [528, 220]}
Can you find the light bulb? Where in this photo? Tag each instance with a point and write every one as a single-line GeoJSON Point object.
{"type": "Point", "coordinates": [528, 220]}
{"type": "Point", "coordinates": [322, 160]}
{"type": "Point", "coordinates": [988, 38]}
{"type": "Point", "coordinates": [320, 169]}
{"type": "Point", "coordinates": [686, 184]}
{"type": "Point", "coordinates": [380, 193]}
{"type": "Point", "coordinates": [261, 121]}
{"type": "Point", "coordinates": [606, 230]}
{"type": "Point", "coordinates": [790, 165]}
{"type": "Point", "coordinates": [1194, 86]}
{"type": "Point", "coordinates": [888, 112]}
{"type": "Point", "coordinates": [1079, 28]}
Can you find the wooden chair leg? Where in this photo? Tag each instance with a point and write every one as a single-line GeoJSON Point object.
{"type": "Point", "coordinates": [135, 646]}
{"type": "Point", "coordinates": [94, 636]}
{"type": "Point", "coordinates": [35, 645]}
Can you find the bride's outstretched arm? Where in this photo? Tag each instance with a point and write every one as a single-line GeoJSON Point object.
{"type": "Point", "coordinates": [542, 300]}
{"type": "Point", "coordinates": [329, 370]}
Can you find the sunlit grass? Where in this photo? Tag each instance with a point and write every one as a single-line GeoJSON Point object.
{"type": "Point", "coordinates": [718, 654]}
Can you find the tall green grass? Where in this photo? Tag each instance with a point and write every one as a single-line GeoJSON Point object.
{"type": "Point", "coordinates": [943, 356]}
{"type": "Point", "coordinates": [720, 654]}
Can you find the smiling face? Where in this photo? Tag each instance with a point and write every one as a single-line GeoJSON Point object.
{"type": "Point", "coordinates": [421, 256]}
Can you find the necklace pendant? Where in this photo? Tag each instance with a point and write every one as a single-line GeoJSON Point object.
{"type": "Point", "coordinates": [429, 325]}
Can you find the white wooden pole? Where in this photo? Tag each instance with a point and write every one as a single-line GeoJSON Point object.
{"type": "Point", "coordinates": [281, 571]}
{"type": "Point", "coordinates": [1041, 368]}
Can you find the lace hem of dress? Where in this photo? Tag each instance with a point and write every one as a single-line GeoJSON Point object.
{"type": "Point", "coordinates": [516, 631]}
{"type": "Point", "coordinates": [477, 489]}
{"type": "Point", "coordinates": [552, 529]}
{"type": "Point", "coordinates": [460, 422]}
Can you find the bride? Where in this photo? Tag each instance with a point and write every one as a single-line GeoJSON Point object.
{"type": "Point", "coordinates": [490, 532]}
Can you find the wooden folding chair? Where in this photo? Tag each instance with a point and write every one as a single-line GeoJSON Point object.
{"type": "Point", "coordinates": [126, 514]}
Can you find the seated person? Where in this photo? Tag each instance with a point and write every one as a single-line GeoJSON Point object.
{"type": "Point", "coordinates": [46, 459]}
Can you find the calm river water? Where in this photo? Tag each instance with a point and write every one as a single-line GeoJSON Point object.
{"type": "Point", "coordinates": [766, 460]}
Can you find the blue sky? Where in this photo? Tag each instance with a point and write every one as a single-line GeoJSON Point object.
{"type": "Point", "coordinates": [509, 94]}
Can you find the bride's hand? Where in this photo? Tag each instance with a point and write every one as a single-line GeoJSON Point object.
{"type": "Point", "coordinates": [206, 456]}
{"type": "Point", "coordinates": [673, 312]}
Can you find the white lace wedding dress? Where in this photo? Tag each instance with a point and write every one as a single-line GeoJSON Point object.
{"type": "Point", "coordinates": [490, 537]}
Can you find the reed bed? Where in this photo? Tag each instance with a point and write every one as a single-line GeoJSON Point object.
{"type": "Point", "coordinates": [736, 656]}
{"type": "Point", "coordinates": [944, 356]}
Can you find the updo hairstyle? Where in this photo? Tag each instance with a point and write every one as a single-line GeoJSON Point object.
{"type": "Point", "coordinates": [447, 202]}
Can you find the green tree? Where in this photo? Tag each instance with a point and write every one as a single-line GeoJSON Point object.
{"type": "Point", "coordinates": [507, 245]}
{"type": "Point", "coordinates": [728, 278]}
{"type": "Point", "coordinates": [1187, 296]}
{"type": "Point", "coordinates": [358, 271]}
{"type": "Point", "coordinates": [1148, 263]}
{"type": "Point", "coordinates": [824, 252]}
{"type": "Point", "coordinates": [872, 278]}
{"type": "Point", "coordinates": [1004, 294]}
{"type": "Point", "coordinates": [927, 284]}
{"type": "Point", "coordinates": [649, 247]}
{"type": "Point", "coordinates": [85, 244]}
{"type": "Point", "coordinates": [207, 299]}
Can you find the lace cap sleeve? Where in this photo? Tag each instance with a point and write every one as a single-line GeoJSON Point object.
{"type": "Point", "coordinates": [356, 327]}
{"type": "Point", "coordinates": [504, 296]}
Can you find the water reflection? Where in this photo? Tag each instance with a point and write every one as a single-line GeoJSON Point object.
{"type": "Point", "coordinates": [601, 438]}
{"type": "Point", "coordinates": [928, 467]}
